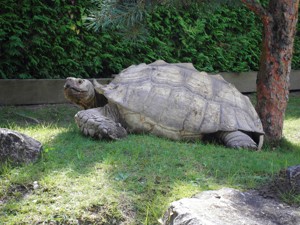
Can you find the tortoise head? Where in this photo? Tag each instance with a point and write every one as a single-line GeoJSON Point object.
{"type": "Point", "coordinates": [80, 91]}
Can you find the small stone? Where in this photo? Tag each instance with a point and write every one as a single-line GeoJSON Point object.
{"type": "Point", "coordinates": [35, 185]}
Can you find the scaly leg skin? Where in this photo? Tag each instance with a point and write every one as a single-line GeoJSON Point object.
{"type": "Point", "coordinates": [237, 139]}
{"type": "Point", "coordinates": [94, 124]}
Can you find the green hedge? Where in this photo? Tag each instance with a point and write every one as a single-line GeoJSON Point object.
{"type": "Point", "coordinates": [227, 40]}
{"type": "Point", "coordinates": [47, 39]}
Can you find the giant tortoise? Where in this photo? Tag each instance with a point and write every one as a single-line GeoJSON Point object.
{"type": "Point", "coordinates": [169, 100]}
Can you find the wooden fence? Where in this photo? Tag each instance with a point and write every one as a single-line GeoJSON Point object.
{"type": "Point", "coordinates": [44, 91]}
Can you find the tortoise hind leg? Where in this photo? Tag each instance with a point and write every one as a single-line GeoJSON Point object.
{"type": "Point", "coordinates": [93, 123]}
{"type": "Point", "coordinates": [237, 139]}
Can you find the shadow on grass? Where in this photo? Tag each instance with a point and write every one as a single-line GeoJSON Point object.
{"type": "Point", "coordinates": [143, 154]}
{"type": "Point", "coordinates": [293, 107]}
{"type": "Point", "coordinates": [283, 146]}
{"type": "Point", "coordinates": [144, 164]}
{"type": "Point", "coordinates": [152, 171]}
{"type": "Point", "coordinates": [70, 149]}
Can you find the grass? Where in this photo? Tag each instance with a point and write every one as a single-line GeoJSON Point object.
{"type": "Point", "coordinates": [131, 181]}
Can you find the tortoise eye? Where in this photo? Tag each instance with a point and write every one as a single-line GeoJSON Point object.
{"type": "Point", "coordinates": [80, 81]}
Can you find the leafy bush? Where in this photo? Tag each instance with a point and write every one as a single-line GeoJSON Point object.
{"type": "Point", "coordinates": [48, 39]}
{"type": "Point", "coordinates": [227, 40]}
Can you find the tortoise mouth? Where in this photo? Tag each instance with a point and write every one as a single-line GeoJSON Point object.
{"type": "Point", "coordinates": [77, 90]}
{"type": "Point", "coordinates": [74, 89]}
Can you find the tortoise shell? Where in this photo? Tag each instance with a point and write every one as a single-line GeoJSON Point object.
{"type": "Point", "coordinates": [179, 102]}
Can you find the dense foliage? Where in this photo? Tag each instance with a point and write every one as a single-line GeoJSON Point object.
{"type": "Point", "coordinates": [44, 39]}
{"type": "Point", "coordinates": [48, 39]}
{"type": "Point", "coordinates": [223, 41]}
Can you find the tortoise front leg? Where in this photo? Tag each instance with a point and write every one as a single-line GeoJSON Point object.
{"type": "Point", "coordinates": [237, 139]}
{"type": "Point", "coordinates": [93, 123]}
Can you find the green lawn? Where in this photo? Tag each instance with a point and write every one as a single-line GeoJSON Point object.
{"type": "Point", "coordinates": [131, 181]}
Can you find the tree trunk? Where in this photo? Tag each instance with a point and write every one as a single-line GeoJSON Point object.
{"type": "Point", "coordinates": [279, 22]}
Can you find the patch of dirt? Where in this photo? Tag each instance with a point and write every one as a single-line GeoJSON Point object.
{"type": "Point", "coordinates": [122, 213]}
{"type": "Point", "coordinates": [16, 191]}
{"type": "Point", "coordinates": [281, 188]}
{"type": "Point", "coordinates": [101, 214]}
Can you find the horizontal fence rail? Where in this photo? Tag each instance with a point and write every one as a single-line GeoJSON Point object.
{"type": "Point", "coordinates": [48, 91]}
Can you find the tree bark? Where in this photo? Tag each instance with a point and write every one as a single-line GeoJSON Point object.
{"type": "Point", "coordinates": [279, 28]}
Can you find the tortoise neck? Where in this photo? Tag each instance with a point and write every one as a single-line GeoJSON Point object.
{"type": "Point", "coordinates": [89, 103]}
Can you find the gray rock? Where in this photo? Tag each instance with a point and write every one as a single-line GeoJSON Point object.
{"type": "Point", "coordinates": [18, 148]}
{"type": "Point", "coordinates": [230, 207]}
